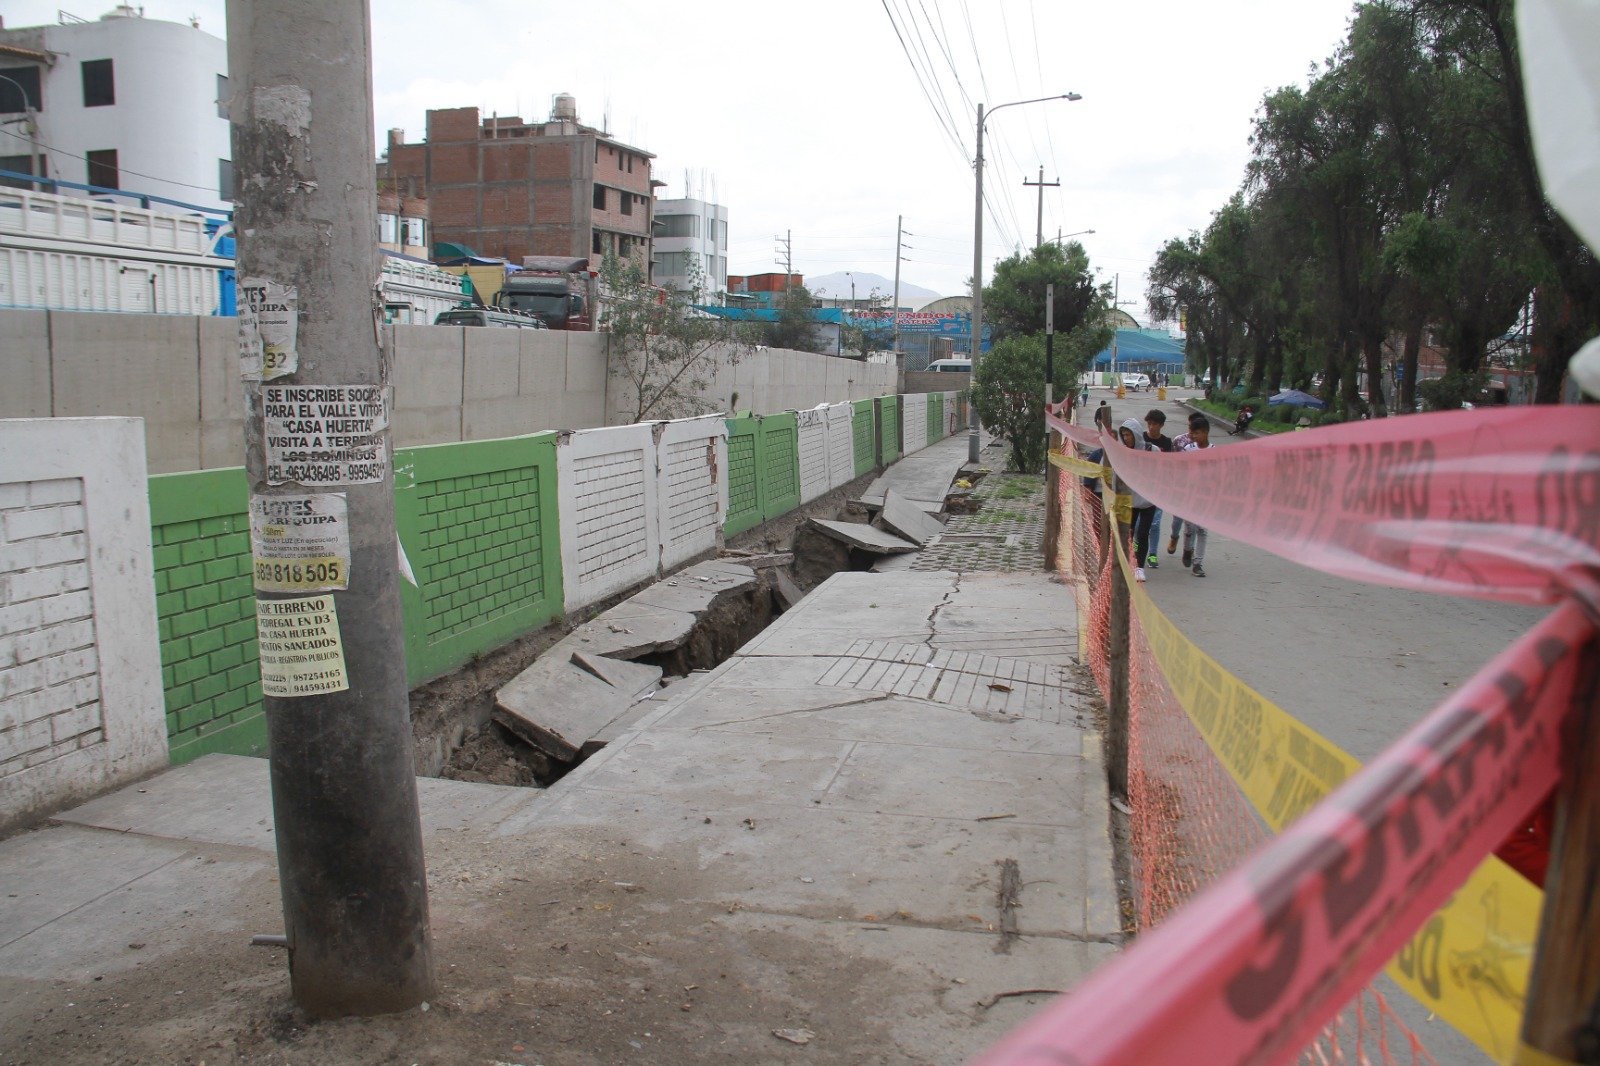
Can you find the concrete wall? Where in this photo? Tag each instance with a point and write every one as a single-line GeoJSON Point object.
{"type": "Point", "coordinates": [769, 380]}
{"type": "Point", "coordinates": [80, 675]}
{"type": "Point", "coordinates": [919, 381]}
{"type": "Point", "coordinates": [180, 374]}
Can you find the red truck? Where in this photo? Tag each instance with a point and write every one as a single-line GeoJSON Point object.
{"type": "Point", "coordinates": [559, 289]}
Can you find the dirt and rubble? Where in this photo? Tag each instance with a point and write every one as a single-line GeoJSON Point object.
{"type": "Point", "coordinates": [548, 950]}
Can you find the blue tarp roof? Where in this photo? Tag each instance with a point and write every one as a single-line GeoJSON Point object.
{"type": "Point", "coordinates": [767, 314]}
{"type": "Point", "coordinates": [1142, 346]}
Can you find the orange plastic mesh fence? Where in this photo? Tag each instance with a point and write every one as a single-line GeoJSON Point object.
{"type": "Point", "coordinates": [1189, 822]}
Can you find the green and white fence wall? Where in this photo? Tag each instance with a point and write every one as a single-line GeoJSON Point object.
{"type": "Point", "coordinates": [497, 537]}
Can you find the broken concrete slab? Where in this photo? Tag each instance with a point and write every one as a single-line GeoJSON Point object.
{"type": "Point", "coordinates": [754, 560]}
{"type": "Point", "coordinates": [788, 591]}
{"type": "Point", "coordinates": [619, 673]}
{"type": "Point", "coordinates": [630, 630]}
{"type": "Point", "coordinates": [559, 706]}
{"type": "Point", "coordinates": [693, 594]}
{"type": "Point", "coordinates": [867, 538]}
{"type": "Point", "coordinates": [901, 516]}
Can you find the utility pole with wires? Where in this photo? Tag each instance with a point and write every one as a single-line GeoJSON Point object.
{"type": "Point", "coordinates": [786, 254]}
{"type": "Point", "coordinates": [1038, 239]}
{"type": "Point", "coordinates": [894, 308]}
{"type": "Point", "coordinates": [319, 464]}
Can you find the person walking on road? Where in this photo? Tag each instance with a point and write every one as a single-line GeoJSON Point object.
{"type": "Point", "coordinates": [1155, 421]}
{"type": "Point", "coordinates": [1194, 537]}
{"type": "Point", "coordinates": [1180, 443]}
{"type": "Point", "coordinates": [1132, 435]}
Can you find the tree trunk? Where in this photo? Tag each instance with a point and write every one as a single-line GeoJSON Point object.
{"type": "Point", "coordinates": [1258, 362]}
{"type": "Point", "coordinates": [1372, 347]}
{"type": "Point", "coordinates": [1275, 366]}
{"type": "Point", "coordinates": [1408, 368]}
{"type": "Point", "coordinates": [1348, 380]}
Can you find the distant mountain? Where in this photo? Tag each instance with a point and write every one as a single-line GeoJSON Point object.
{"type": "Point", "coordinates": [838, 284]}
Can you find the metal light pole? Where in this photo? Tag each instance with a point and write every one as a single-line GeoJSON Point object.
{"type": "Point", "coordinates": [30, 118]}
{"type": "Point", "coordinates": [977, 264]}
{"type": "Point", "coordinates": [1059, 237]}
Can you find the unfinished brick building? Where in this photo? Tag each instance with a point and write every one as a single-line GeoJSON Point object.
{"type": "Point", "coordinates": [507, 188]}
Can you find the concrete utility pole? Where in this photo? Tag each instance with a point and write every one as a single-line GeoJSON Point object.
{"type": "Point", "coordinates": [319, 460]}
{"type": "Point", "coordinates": [894, 308]}
{"type": "Point", "coordinates": [1038, 236]}
{"type": "Point", "coordinates": [787, 251]}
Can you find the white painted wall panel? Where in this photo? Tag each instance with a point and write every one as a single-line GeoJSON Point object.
{"type": "Point", "coordinates": [813, 428]}
{"type": "Point", "coordinates": [914, 422]}
{"type": "Point", "coordinates": [841, 445]}
{"type": "Point", "coordinates": [692, 457]}
{"type": "Point", "coordinates": [81, 705]}
{"type": "Point", "coordinates": [607, 489]}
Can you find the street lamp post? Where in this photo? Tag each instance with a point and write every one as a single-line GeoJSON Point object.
{"type": "Point", "coordinates": [977, 263]}
{"type": "Point", "coordinates": [1058, 238]}
{"type": "Point", "coordinates": [30, 118]}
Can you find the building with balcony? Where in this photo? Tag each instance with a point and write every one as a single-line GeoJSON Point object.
{"type": "Point", "coordinates": [504, 188]}
{"type": "Point", "coordinates": [124, 103]}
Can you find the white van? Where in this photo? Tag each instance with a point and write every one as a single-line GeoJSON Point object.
{"type": "Point", "coordinates": [950, 366]}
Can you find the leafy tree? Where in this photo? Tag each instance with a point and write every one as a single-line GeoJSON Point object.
{"type": "Point", "coordinates": [1013, 302]}
{"type": "Point", "coordinates": [794, 327]}
{"type": "Point", "coordinates": [663, 352]}
{"type": "Point", "coordinates": [1009, 387]}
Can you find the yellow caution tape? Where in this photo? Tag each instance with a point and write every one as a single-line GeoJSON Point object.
{"type": "Point", "coordinates": [1469, 963]}
{"type": "Point", "coordinates": [1082, 467]}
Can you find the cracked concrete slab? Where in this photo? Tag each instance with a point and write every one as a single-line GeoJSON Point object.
{"type": "Point", "coordinates": [860, 535]}
{"type": "Point", "coordinates": [913, 523]}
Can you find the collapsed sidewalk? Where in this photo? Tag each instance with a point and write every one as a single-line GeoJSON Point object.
{"type": "Point", "coordinates": [857, 836]}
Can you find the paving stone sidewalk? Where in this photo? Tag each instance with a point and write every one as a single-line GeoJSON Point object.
{"type": "Point", "coordinates": [1006, 535]}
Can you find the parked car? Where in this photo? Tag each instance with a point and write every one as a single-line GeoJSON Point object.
{"type": "Point", "coordinates": [950, 366]}
{"type": "Point", "coordinates": [1135, 382]}
{"type": "Point", "coordinates": [482, 316]}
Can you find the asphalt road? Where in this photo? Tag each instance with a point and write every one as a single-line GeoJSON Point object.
{"type": "Point", "coordinates": [1359, 663]}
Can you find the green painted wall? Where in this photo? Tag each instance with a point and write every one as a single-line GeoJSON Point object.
{"type": "Point", "coordinates": [935, 417]}
{"type": "Point", "coordinates": [862, 422]}
{"type": "Point", "coordinates": [744, 488]}
{"type": "Point", "coordinates": [779, 449]}
{"type": "Point", "coordinates": [889, 427]}
{"type": "Point", "coordinates": [479, 526]}
{"type": "Point", "coordinates": [206, 613]}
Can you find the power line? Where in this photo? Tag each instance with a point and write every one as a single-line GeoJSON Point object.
{"type": "Point", "coordinates": [120, 169]}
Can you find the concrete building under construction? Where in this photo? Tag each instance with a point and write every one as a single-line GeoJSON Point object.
{"type": "Point", "coordinates": [506, 188]}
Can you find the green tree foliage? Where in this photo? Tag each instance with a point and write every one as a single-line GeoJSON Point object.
{"type": "Point", "coordinates": [1393, 195]}
{"type": "Point", "coordinates": [663, 353]}
{"type": "Point", "coordinates": [1013, 302]}
{"type": "Point", "coordinates": [1009, 387]}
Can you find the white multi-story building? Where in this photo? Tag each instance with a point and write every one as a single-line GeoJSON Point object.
{"type": "Point", "coordinates": [126, 103]}
{"type": "Point", "coordinates": [685, 228]}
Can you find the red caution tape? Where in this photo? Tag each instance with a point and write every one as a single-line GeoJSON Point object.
{"type": "Point", "coordinates": [1501, 504]}
{"type": "Point", "coordinates": [1252, 968]}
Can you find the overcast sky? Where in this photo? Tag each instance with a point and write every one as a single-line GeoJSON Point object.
{"type": "Point", "coordinates": [811, 118]}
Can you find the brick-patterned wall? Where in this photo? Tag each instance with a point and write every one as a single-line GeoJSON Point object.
{"type": "Point", "coordinates": [205, 607]}
{"type": "Point", "coordinates": [49, 683]}
{"type": "Point", "coordinates": [482, 554]}
{"type": "Point", "coordinates": [80, 684]}
{"type": "Point", "coordinates": [744, 496]}
{"type": "Point", "coordinates": [691, 455]}
{"type": "Point", "coordinates": [780, 465]}
{"type": "Point", "coordinates": [609, 524]}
